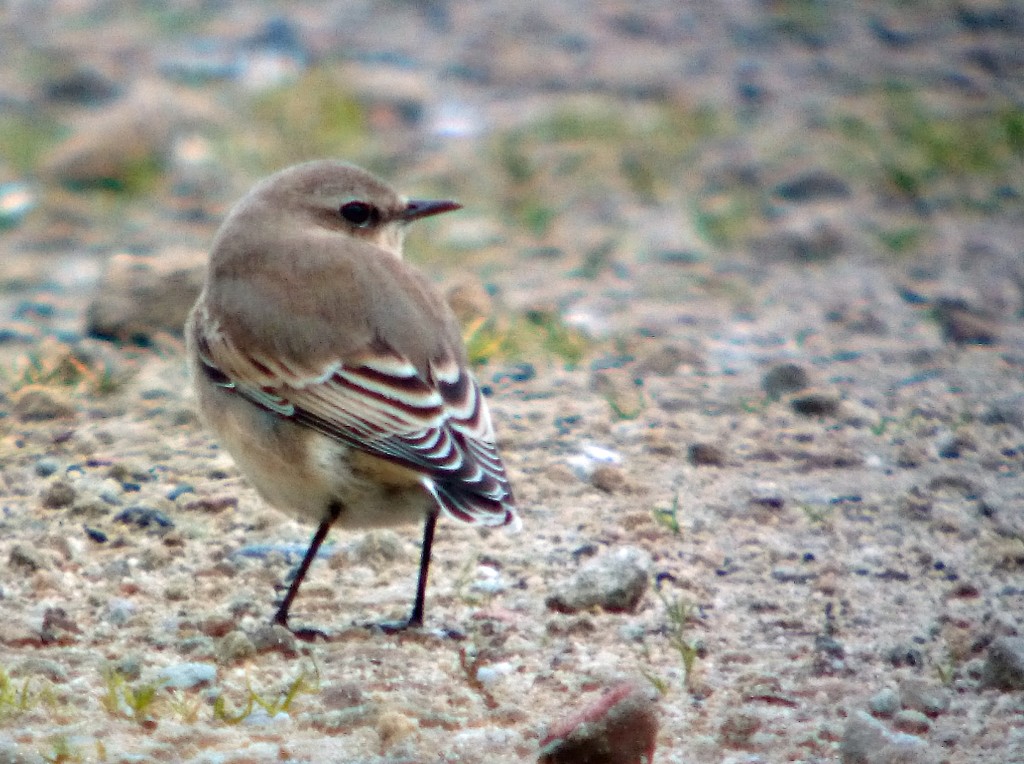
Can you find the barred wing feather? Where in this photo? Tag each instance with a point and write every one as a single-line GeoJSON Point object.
{"type": "Point", "coordinates": [436, 424]}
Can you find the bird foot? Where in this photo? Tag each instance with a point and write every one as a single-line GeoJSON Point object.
{"type": "Point", "coordinates": [302, 633]}
{"type": "Point", "coordinates": [394, 627]}
{"type": "Point", "coordinates": [409, 626]}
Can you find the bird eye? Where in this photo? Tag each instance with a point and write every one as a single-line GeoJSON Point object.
{"type": "Point", "coordinates": [360, 214]}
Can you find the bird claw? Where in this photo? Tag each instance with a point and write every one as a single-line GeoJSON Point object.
{"type": "Point", "coordinates": [393, 627]}
{"type": "Point", "coordinates": [302, 633]}
{"type": "Point", "coordinates": [309, 634]}
{"type": "Point", "coordinates": [411, 627]}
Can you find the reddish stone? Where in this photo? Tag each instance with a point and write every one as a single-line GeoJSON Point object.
{"type": "Point", "coordinates": [620, 727]}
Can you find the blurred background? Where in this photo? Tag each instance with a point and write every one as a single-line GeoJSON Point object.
{"type": "Point", "coordinates": [587, 141]}
{"type": "Point", "coordinates": [744, 279]}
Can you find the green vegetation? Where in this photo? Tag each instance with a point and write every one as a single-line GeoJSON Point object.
{"type": "Point", "coordinates": [62, 752]}
{"type": "Point", "coordinates": [922, 153]}
{"type": "Point", "coordinates": [469, 662]}
{"type": "Point", "coordinates": [305, 683]}
{"type": "Point", "coordinates": [538, 334]}
{"type": "Point", "coordinates": [668, 517]}
{"type": "Point", "coordinates": [624, 406]}
{"type": "Point", "coordinates": [145, 702]}
{"type": "Point", "coordinates": [17, 698]}
{"type": "Point", "coordinates": [677, 616]}
{"type": "Point", "coordinates": [678, 613]}
{"type": "Point", "coordinates": [727, 217]}
{"type": "Point", "coordinates": [808, 21]}
{"type": "Point", "coordinates": [310, 118]}
{"type": "Point", "coordinates": [590, 147]}
{"type": "Point", "coordinates": [54, 364]}
{"type": "Point", "coordinates": [132, 700]}
{"type": "Point", "coordinates": [24, 138]}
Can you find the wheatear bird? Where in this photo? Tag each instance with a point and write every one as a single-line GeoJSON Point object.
{"type": "Point", "coordinates": [334, 373]}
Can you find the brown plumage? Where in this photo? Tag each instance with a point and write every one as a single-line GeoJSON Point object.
{"type": "Point", "coordinates": [333, 372]}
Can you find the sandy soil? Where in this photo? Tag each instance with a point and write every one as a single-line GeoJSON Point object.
{"type": "Point", "coordinates": [821, 468]}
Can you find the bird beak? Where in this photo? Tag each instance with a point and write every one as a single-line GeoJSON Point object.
{"type": "Point", "coordinates": [421, 208]}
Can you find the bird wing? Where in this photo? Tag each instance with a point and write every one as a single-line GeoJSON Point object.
{"type": "Point", "coordinates": [435, 423]}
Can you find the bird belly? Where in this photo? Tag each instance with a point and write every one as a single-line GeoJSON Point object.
{"type": "Point", "coordinates": [304, 473]}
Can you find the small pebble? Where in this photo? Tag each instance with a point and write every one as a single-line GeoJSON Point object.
{"type": "Point", "coordinates": [274, 638]}
{"type": "Point", "coordinates": [489, 675]}
{"type": "Point", "coordinates": [784, 378]}
{"type": "Point", "coordinates": [44, 667]}
{"type": "Point", "coordinates": [620, 727]}
{"type": "Point", "coordinates": [609, 478]}
{"type": "Point", "coordinates": [120, 610]}
{"type": "Point", "coordinates": [260, 717]}
{"type": "Point", "coordinates": [921, 695]}
{"type": "Point", "coordinates": [520, 372]}
{"type": "Point", "coordinates": [233, 647]}
{"type": "Point", "coordinates": [342, 695]}
{"type": "Point", "coordinates": [35, 403]}
{"type": "Point", "coordinates": [910, 721]}
{"type": "Point", "coordinates": [615, 581]}
{"type": "Point", "coordinates": [179, 490]}
{"type": "Point", "coordinates": [815, 185]}
{"type": "Point", "coordinates": [144, 517]}
{"type": "Point", "coordinates": [963, 324]}
{"type": "Point", "coordinates": [17, 199]}
{"type": "Point", "coordinates": [705, 455]}
{"type": "Point", "coordinates": [95, 534]}
{"type": "Point", "coordinates": [865, 739]}
{"type": "Point", "coordinates": [28, 558]}
{"type": "Point", "coordinates": [60, 493]}
{"type": "Point", "coordinates": [46, 466]}
{"type": "Point", "coordinates": [737, 728]}
{"type": "Point", "coordinates": [815, 404]}
{"type": "Point", "coordinates": [884, 702]}
{"type": "Point", "coordinates": [188, 676]}
{"type": "Point", "coordinates": [1004, 664]}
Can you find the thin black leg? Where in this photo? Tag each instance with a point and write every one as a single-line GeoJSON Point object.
{"type": "Point", "coordinates": [416, 619]}
{"type": "Point", "coordinates": [281, 617]}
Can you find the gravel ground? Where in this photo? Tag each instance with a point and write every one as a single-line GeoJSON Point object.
{"type": "Point", "coordinates": [758, 380]}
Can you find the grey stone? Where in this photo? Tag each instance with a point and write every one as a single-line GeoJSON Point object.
{"type": "Point", "coordinates": [813, 186]}
{"type": "Point", "coordinates": [615, 581]}
{"type": "Point", "coordinates": [921, 695]}
{"type": "Point", "coordinates": [274, 638]}
{"type": "Point", "coordinates": [43, 667]}
{"type": "Point", "coordinates": [12, 753]}
{"type": "Point", "coordinates": [1004, 664]}
{"type": "Point", "coordinates": [35, 403]}
{"type": "Point", "coordinates": [187, 676]}
{"type": "Point", "coordinates": [144, 517]}
{"type": "Point", "coordinates": [234, 646]}
{"type": "Point", "coordinates": [120, 610]}
{"type": "Point", "coordinates": [1007, 410]}
{"type": "Point", "coordinates": [27, 558]}
{"type": "Point", "coordinates": [620, 727]}
{"type": "Point", "coordinates": [59, 493]}
{"type": "Point", "coordinates": [884, 702]}
{"type": "Point", "coordinates": [109, 146]}
{"type": "Point", "coordinates": [867, 741]}
{"type": "Point", "coordinates": [46, 466]}
{"type": "Point", "coordinates": [784, 378]}
{"type": "Point", "coordinates": [815, 403]}
{"type": "Point", "coordinates": [140, 297]}
{"type": "Point", "coordinates": [705, 455]}
{"type": "Point", "coordinates": [911, 721]}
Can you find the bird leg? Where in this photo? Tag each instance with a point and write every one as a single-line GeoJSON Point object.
{"type": "Point", "coordinates": [281, 617]}
{"type": "Point", "coordinates": [415, 619]}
